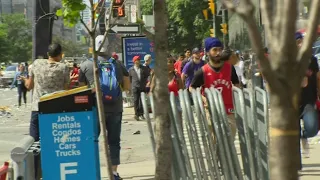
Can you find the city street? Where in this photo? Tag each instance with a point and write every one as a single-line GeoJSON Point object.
{"type": "Point", "coordinates": [137, 161]}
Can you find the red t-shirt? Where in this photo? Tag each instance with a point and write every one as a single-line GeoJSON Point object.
{"type": "Point", "coordinates": [75, 71]}
{"type": "Point", "coordinates": [173, 86]}
{"type": "Point", "coordinates": [177, 66]}
{"type": "Point", "coordinates": [221, 81]}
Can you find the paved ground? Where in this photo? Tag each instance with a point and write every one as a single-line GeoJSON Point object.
{"type": "Point", "coordinates": [136, 154]}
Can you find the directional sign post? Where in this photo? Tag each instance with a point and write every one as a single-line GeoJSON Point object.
{"type": "Point", "coordinates": [125, 29]}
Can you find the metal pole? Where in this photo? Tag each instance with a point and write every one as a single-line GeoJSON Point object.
{"type": "Point", "coordinates": [214, 22]}
{"type": "Point", "coordinates": [224, 22]}
{"type": "Point", "coordinates": [42, 28]}
{"type": "Point", "coordinates": [138, 9]}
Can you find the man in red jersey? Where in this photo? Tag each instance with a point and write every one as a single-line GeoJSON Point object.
{"type": "Point", "coordinates": [219, 74]}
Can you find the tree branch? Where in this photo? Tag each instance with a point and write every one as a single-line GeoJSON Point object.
{"type": "Point", "coordinates": [246, 12]}
{"type": "Point", "coordinates": [100, 14]}
{"type": "Point", "coordinates": [107, 24]}
{"type": "Point", "coordinates": [85, 26]}
{"type": "Point", "coordinates": [91, 4]}
{"type": "Point", "coordinates": [284, 31]}
{"type": "Point", "coordinates": [310, 37]}
{"type": "Point", "coordinates": [266, 10]}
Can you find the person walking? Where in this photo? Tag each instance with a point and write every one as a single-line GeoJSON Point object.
{"type": "Point", "coordinates": [191, 67]}
{"type": "Point", "coordinates": [74, 75]}
{"type": "Point", "coordinates": [178, 64]}
{"type": "Point", "coordinates": [113, 109]}
{"type": "Point", "coordinates": [139, 75]}
{"type": "Point", "coordinates": [46, 76]}
{"type": "Point", "coordinates": [309, 95]}
{"type": "Point", "coordinates": [18, 80]}
{"type": "Point", "coordinates": [219, 74]}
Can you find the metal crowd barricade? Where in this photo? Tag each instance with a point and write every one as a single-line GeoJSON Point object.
{"type": "Point", "coordinates": [189, 130]}
{"type": "Point", "coordinates": [246, 143]}
{"type": "Point", "coordinates": [180, 148]}
{"type": "Point", "coordinates": [212, 154]}
{"type": "Point", "coordinates": [228, 138]}
{"type": "Point", "coordinates": [262, 118]}
{"type": "Point", "coordinates": [22, 156]}
{"type": "Point", "coordinates": [253, 131]}
{"type": "Point", "coordinates": [147, 116]}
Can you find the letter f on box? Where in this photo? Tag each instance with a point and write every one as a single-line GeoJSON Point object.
{"type": "Point", "coordinates": [64, 172]}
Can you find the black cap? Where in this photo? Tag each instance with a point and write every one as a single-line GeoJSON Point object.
{"type": "Point", "coordinates": [195, 50]}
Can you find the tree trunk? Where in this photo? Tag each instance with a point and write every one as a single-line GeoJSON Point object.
{"type": "Point", "coordinates": [163, 134]}
{"type": "Point", "coordinates": [100, 106]}
{"type": "Point", "coordinates": [284, 135]}
{"type": "Point", "coordinates": [284, 71]}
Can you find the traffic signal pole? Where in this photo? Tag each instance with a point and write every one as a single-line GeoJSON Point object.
{"type": "Point", "coordinates": [212, 7]}
{"type": "Point", "coordinates": [225, 41]}
{"type": "Point", "coordinates": [42, 28]}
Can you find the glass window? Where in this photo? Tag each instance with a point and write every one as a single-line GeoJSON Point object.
{"type": "Point", "coordinates": [11, 68]}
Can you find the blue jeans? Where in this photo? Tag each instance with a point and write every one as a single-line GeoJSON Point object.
{"type": "Point", "coordinates": [22, 93]}
{"type": "Point", "coordinates": [113, 123]}
{"type": "Point", "coordinates": [34, 132]}
{"type": "Point", "coordinates": [310, 119]}
{"type": "Point", "coordinates": [34, 125]}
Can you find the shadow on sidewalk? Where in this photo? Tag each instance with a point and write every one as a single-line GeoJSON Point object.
{"type": "Point", "coordinates": [311, 166]}
{"type": "Point", "coordinates": [310, 170]}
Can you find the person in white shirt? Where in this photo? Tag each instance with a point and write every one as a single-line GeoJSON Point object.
{"type": "Point", "coordinates": [239, 66]}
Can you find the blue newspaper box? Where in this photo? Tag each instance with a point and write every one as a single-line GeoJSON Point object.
{"type": "Point", "coordinates": [69, 136]}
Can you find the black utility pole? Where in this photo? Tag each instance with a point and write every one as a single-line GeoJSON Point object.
{"type": "Point", "coordinates": [42, 28]}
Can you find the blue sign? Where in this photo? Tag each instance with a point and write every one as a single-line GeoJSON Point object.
{"type": "Point", "coordinates": [137, 46]}
{"type": "Point", "coordinates": [69, 146]}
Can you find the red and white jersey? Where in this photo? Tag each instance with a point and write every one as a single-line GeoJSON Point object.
{"type": "Point", "coordinates": [221, 81]}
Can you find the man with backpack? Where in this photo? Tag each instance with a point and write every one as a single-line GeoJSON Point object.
{"type": "Point", "coordinates": [114, 79]}
{"type": "Point", "coordinates": [139, 75]}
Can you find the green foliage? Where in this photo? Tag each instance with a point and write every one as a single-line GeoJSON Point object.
{"type": "Point", "coordinates": [187, 27]}
{"type": "Point", "coordinates": [71, 11]}
{"type": "Point", "coordinates": [146, 7]}
{"type": "Point", "coordinates": [70, 48]}
{"type": "Point", "coordinates": [15, 38]}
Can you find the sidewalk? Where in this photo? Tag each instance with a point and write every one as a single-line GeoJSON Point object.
{"type": "Point", "coordinates": [311, 166]}
{"type": "Point", "coordinates": [137, 160]}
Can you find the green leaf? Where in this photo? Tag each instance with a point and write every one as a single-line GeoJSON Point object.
{"type": "Point", "coordinates": [59, 12]}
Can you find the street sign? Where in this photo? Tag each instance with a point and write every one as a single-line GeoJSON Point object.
{"type": "Point", "coordinates": [137, 46]}
{"type": "Point", "coordinates": [133, 13]}
{"type": "Point", "coordinates": [125, 29]}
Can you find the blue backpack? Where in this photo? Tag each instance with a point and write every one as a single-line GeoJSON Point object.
{"type": "Point", "coordinates": [110, 87]}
